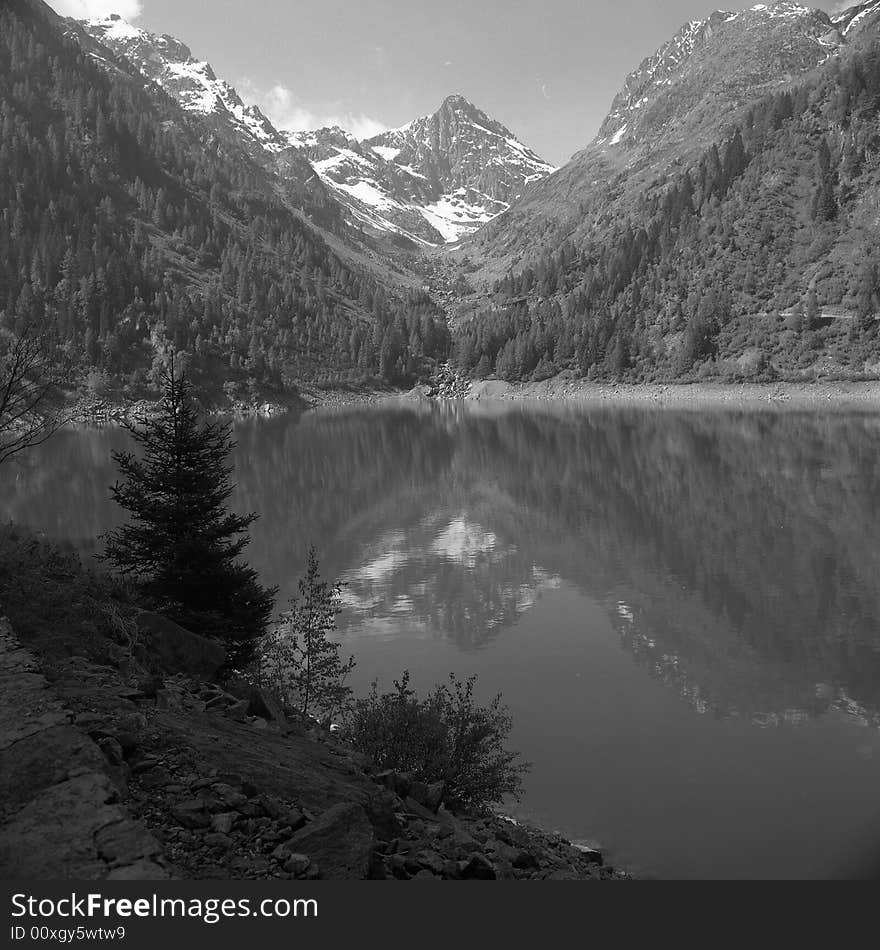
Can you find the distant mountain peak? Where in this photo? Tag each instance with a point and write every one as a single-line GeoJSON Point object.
{"type": "Point", "coordinates": [726, 57]}
{"type": "Point", "coordinates": [456, 100]}
{"type": "Point", "coordinates": [168, 62]}
{"type": "Point", "coordinates": [851, 20]}
{"type": "Point", "coordinates": [434, 180]}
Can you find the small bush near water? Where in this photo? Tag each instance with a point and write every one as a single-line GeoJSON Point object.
{"type": "Point", "coordinates": [445, 737]}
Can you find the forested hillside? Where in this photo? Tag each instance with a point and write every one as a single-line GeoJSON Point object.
{"type": "Point", "coordinates": [128, 228]}
{"type": "Point", "coordinates": [754, 257]}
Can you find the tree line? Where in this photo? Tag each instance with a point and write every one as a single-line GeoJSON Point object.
{"type": "Point", "coordinates": [129, 230]}
{"type": "Point", "coordinates": [738, 252]}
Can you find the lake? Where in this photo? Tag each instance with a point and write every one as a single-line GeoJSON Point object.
{"type": "Point", "coordinates": [680, 608]}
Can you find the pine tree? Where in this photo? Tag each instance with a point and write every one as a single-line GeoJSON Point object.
{"type": "Point", "coordinates": [299, 658]}
{"type": "Point", "coordinates": [182, 545]}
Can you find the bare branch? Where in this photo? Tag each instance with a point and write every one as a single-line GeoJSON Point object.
{"type": "Point", "coordinates": [31, 409]}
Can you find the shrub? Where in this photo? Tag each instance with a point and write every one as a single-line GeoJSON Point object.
{"type": "Point", "coordinates": [445, 737]}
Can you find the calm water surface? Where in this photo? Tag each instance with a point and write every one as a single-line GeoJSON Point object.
{"type": "Point", "coordinates": [681, 609]}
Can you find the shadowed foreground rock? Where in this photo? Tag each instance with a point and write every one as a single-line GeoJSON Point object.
{"type": "Point", "coordinates": [112, 770]}
{"type": "Point", "coordinates": [340, 841]}
{"type": "Point", "coordinates": [60, 816]}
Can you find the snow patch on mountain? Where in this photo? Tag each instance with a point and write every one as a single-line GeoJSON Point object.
{"type": "Point", "coordinates": [853, 19]}
{"type": "Point", "coordinates": [170, 64]}
{"type": "Point", "coordinates": [433, 180]}
{"type": "Point", "coordinates": [668, 83]}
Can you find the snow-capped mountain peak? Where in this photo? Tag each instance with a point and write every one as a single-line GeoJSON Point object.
{"type": "Point", "coordinates": [854, 19]}
{"type": "Point", "coordinates": [434, 179]}
{"type": "Point", "coordinates": [169, 63]}
{"type": "Point", "coordinates": [723, 58]}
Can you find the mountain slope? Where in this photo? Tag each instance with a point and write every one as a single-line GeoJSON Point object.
{"type": "Point", "coordinates": [432, 181]}
{"type": "Point", "coordinates": [223, 118]}
{"type": "Point", "coordinates": [131, 228]}
{"type": "Point", "coordinates": [676, 104]}
{"type": "Point", "coordinates": [721, 222]}
{"type": "Point", "coordinates": [170, 64]}
{"type": "Point", "coordinates": [682, 95]}
{"type": "Point", "coordinates": [458, 167]}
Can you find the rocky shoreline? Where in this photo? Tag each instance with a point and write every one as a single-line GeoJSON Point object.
{"type": "Point", "coordinates": [566, 389]}
{"type": "Point", "coordinates": [162, 772]}
{"type": "Point", "coordinates": [112, 411]}
{"type": "Point", "coordinates": [796, 395]}
{"type": "Point", "coordinates": [845, 394]}
{"type": "Point", "coordinates": [116, 412]}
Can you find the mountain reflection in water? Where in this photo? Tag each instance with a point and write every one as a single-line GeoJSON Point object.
{"type": "Point", "coordinates": [734, 555]}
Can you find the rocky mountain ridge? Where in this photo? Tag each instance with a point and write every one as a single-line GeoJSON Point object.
{"type": "Point", "coordinates": [432, 181]}
{"type": "Point", "coordinates": [715, 65]}
{"type": "Point", "coordinates": [169, 63]}
{"type": "Point", "coordinates": [720, 223]}
{"type": "Point", "coordinates": [681, 100]}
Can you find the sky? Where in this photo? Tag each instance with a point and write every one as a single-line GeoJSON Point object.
{"type": "Point", "coordinates": [547, 69]}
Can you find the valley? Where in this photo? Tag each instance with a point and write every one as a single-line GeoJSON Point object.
{"type": "Point", "coordinates": [723, 210]}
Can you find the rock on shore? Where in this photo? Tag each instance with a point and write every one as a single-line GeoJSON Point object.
{"type": "Point", "coordinates": [127, 770]}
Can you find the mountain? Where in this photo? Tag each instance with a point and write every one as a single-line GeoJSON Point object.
{"type": "Point", "coordinates": [133, 226]}
{"type": "Point", "coordinates": [432, 181]}
{"type": "Point", "coordinates": [226, 122]}
{"type": "Point", "coordinates": [679, 97]}
{"type": "Point", "coordinates": [680, 101]}
{"type": "Point", "coordinates": [435, 179]}
{"type": "Point", "coordinates": [170, 64]}
{"type": "Point", "coordinates": [720, 223]}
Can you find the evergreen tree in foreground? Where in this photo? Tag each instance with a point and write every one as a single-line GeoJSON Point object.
{"type": "Point", "coordinates": [182, 543]}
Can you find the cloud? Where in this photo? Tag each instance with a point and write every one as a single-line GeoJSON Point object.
{"type": "Point", "coordinates": [288, 113]}
{"type": "Point", "coordinates": [88, 9]}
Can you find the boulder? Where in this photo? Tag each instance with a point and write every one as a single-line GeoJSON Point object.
{"type": "Point", "coordinates": [231, 798]}
{"type": "Point", "coordinates": [191, 814]}
{"type": "Point", "coordinates": [429, 795]}
{"type": "Point", "coordinates": [112, 751]}
{"type": "Point", "coordinates": [397, 782]}
{"type": "Point", "coordinates": [524, 861]}
{"type": "Point", "coordinates": [174, 649]}
{"type": "Point", "coordinates": [414, 807]}
{"type": "Point", "coordinates": [297, 864]}
{"type": "Point", "coordinates": [588, 853]}
{"type": "Point", "coordinates": [260, 703]}
{"type": "Point", "coordinates": [238, 711]}
{"type": "Point", "coordinates": [217, 839]}
{"type": "Point", "coordinates": [223, 822]}
{"type": "Point", "coordinates": [382, 809]}
{"type": "Point", "coordinates": [477, 868]}
{"type": "Point", "coordinates": [340, 840]}
{"type": "Point", "coordinates": [397, 867]}
{"type": "Point", "coordinates": [431, 860]}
